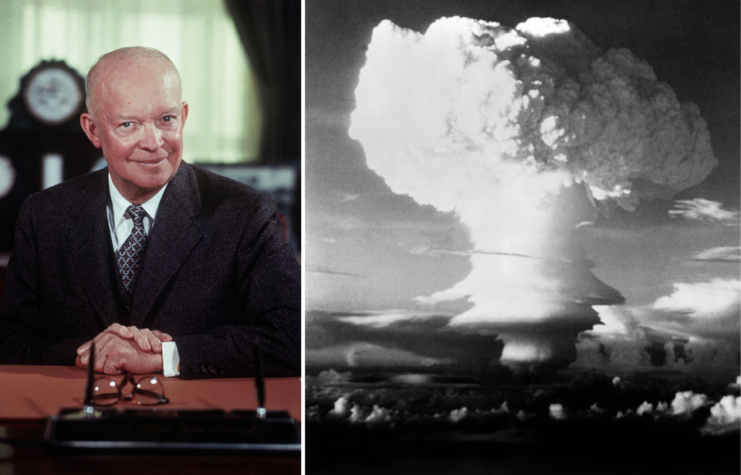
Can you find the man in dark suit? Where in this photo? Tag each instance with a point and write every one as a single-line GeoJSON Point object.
{"type": "Point", "coordinates": [149, 242]}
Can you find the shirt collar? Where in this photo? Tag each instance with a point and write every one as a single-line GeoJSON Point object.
{"type": "Point", "coordinates": [119, 204]}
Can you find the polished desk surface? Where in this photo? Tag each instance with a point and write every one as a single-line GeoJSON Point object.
{"type": "Point", "coordinates": [34, 392]}
{"type": "Point", "coordinates": [29, 394]}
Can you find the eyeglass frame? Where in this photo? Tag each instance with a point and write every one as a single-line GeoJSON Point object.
{"type": "Point", "coordinates": [129, 378]}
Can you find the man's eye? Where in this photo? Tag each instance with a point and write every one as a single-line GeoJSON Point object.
{"type": "Point", "coordinates": [168, 118]}
{"type": "Point", "coordinates": [126, 125]}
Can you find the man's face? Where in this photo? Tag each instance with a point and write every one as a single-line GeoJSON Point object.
{"type": "Point", "coordinates": [139, 125]}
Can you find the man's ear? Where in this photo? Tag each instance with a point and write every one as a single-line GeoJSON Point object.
{"type": "Point", "coordinates": [183, 113]}
{"type": "Point", "coordinates": [91, 129]}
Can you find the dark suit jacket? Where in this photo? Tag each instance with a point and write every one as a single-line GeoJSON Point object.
{"type": "Point", "coordinates": [216, 275]}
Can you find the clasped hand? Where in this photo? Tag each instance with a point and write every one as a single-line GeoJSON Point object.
{"type": "Point", "coordinates": [119, 348]}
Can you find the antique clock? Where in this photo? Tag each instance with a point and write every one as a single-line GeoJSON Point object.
{"type": "Point", "coordinates": [53, 94]}
{"type": "Point", "coordinates": [43, 142]}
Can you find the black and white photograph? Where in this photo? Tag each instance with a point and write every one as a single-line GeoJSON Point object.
{"type": "Point", "coordinates": [521, 246]}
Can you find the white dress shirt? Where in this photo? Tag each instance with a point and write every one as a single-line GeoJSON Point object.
{"type": "Point", "coordinates": [121, 224]}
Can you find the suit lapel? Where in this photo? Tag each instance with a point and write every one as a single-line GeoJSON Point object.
{"type": "Point", "coordinates": [89, 240]}
{"type": "Point", "coordinates": [172, 238]}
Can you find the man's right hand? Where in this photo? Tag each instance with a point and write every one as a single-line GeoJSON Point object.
{"type": "Point", "coordinates": [116, 355]}
{"type": "Point", "coordinates": [146, 340]}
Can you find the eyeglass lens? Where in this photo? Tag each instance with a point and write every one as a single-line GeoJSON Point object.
{"type": "Point", "coordinates": [148, 391]}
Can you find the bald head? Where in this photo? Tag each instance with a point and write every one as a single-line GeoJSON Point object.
{"type": "Point", "coordinates": [109, 63]}
{"type": "Point", "coordinates": [136, 116]}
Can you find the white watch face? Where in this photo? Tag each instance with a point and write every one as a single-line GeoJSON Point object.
{"type": "Point", "coordinates": [52, 96]}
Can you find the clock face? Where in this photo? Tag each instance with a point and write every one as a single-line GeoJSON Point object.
{"type": "Point", "coordinates": [52, 95]}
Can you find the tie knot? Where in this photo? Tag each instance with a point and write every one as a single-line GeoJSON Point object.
{"type": "Point", "coordinates": [137, 214]}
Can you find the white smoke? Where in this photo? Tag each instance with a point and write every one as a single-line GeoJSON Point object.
{"type": "Point", "coordinates": [492, 122]}
{"type": "Point", "coordinates": [712, 300]}
{"type": "Point", "coordinates": [379, 415]}
{"type": "Point", "coordinates": [455, 107]}
{"type": "Point", "coordinates": [701, 209]}
{"type": "Point", "coordinates": [457, 415]}
{"type": "Point", "coordinates": [340, 407]}
{"type": "Point", "coordinates": [645, 408]}
{"type": "Point", "coordinates": [412, 379]}
{"type": "Point", "coordinates": [329, 376]}
{"type": "Point", "coordinates": [356, 414]}
{"type": "Point", "coordinates": [556, 411]}
{"type": "Point", "coordinates": [687, 402]}
{"type": "Point", "coordinates": [725, 416]}
{"type": "Point", "coordinates": [723, 254]}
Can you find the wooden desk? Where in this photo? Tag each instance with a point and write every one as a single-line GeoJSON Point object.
{"type": "Point", "coordinates": [29, 394]}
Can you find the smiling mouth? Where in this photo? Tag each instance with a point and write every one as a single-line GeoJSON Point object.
{"type": "Point", "coordinates": [150, 163]}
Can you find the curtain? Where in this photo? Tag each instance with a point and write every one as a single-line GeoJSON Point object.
{"type": "Point", "coordinates": [271, 33]}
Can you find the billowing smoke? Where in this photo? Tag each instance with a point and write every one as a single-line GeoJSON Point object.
{"type": "Point", "coordinates": [340, 407]}
{"type": "Point", "coordinates": [498, 125]}
{"type": "Point", "coordinates": [457, 415]}
{"type": "Point", "coordinates": [460, 110]}
{"type": "Point", "coordinates": [556, 411]}
{"type": "Point", "coordinates": [725, 416]}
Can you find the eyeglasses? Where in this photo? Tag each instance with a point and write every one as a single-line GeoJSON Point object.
{"type": "Point", "coordinates": [147, 391]}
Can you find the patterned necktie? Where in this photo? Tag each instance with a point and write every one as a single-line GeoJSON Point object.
{"type": "Point", "coordinates": [130, 254]}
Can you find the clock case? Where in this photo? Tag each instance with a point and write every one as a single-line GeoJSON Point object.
{"type": "Point", "coordinates": [26, 140]}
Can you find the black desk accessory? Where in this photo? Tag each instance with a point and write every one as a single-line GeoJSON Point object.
{"type": "Point", "coordinates": [146, 429]}
{"type": "Point", "coordinates": [89, 410]}
{"type": "Point", "coordinates": [259, 382]}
